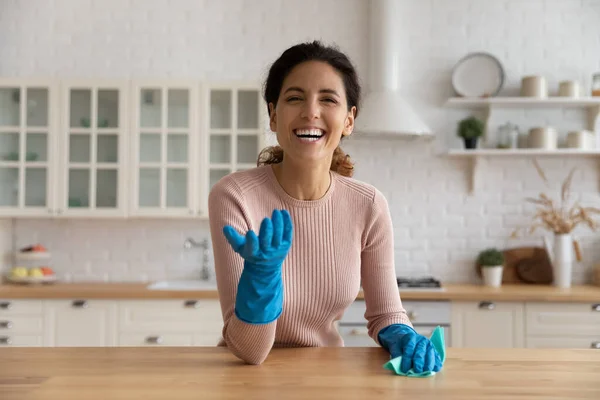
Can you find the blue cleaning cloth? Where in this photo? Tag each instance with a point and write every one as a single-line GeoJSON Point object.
{"type": "Point", "coordinates": [437, 340]}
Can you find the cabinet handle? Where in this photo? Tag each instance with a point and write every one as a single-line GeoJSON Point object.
{"type": "Point", "coordinates": [596, 307]}
{"type": "Point", "coordinates": [6, 305]}
{"type": "Point", "coordinates": [154, 339]}
{"type": "Point", "coordinates": [5, 340]}
{"type": "Point", "coordinates": [192, 304]}
{"type": "Point", "coordinates": [80, 304]}
{"type": "Point", "coordinates": [487, 305]}
{"type": "Point", "coordinates": [595, 345]}
{"type": "Point", "coordinates": [358, 332]}
{"type": "Point", "coordinates": [6, 324]}
{"type": "Point", "coordinates": [412, 315]}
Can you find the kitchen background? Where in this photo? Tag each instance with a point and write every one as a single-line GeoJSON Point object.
{"type": "Point", "coordinates": [439, 226]}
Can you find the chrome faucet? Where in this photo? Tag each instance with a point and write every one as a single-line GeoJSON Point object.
{"type": "Point", "coordinates": [204, 245]}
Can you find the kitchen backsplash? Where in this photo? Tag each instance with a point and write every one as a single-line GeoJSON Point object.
{"type": "Point", "coordinates": [439, 227]}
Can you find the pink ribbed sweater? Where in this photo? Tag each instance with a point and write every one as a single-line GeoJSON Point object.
{"type": "Point", "coordinates": [340, 241]}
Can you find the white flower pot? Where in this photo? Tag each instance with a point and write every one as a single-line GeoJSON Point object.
{"type": "Point", "coordinates": [492, 276]}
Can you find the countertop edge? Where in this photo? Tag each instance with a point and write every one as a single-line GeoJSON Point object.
{"type": "Point", "coordinates": [451, 292]}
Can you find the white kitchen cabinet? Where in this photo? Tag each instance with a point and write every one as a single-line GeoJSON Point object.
{"type": "Point", "coordinates": [563, 325]}
{"type": "Point", "coordinates": [235, 127]}
{"type": "Point", "coordinates": [93, 149]}
{"type": "Point", "coordinates": [170, 322]}
{"type": "Point", "coordinates": [488, 324]}
{"type": "Point", "coordinates": [21, 323]}
{"type": "Point", "coordinates": [28, 138]}
{"type": "Point", "coordinates": [80, 322]}
{"type": "Point", "coordinates": [165, 148]}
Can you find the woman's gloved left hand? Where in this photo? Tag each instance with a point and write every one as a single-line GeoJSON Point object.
{"type": "Point", "coordinates": [417, 351]}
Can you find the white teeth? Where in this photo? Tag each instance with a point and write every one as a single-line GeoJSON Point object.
{"type": "Point", "coordinates": [309, 132]}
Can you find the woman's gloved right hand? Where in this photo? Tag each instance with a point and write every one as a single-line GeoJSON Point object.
{"type": "Point", "coordinates": [259, 297]}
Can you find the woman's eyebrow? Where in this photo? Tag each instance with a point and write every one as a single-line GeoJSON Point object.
{"type": "Point", "coordinates": [299, 89]}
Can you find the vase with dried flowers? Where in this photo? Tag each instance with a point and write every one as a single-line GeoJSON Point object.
{"type": "Point", "coordinates": [560, 219]}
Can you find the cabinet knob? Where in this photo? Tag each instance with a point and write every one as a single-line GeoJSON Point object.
{"type": "Point", "coordinates": [5, 340]}
{"type": "Point", "coordinates": [487, 305]}
{"type": "Point", "coordinates": [359, 332]}
{"type": "Point", "coordinates": [412, 315]}
{"type": "Point", "coordinates": [80, 304]}
{"type": "Point", "coordinates": [6, 325]}
{"type": "Point", "coordinates": [192, 304]}
{"type": "Point", "coordinates": [596, 307]}
{"type": "Point", "coordinates": [5, 305]}
{"type": "Point", "coordinates": [154, 339]}
{"type": "Point", "coordinates": [595, 345]}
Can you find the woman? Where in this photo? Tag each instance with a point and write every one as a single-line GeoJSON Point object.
{"type": "Point", "coordinates": [328, 233]}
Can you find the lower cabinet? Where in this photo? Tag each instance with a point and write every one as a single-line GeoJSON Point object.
{"type": "Point", "coordinates": [526, 324]}
{"type": "Point", "coordinates": [488, 324]}
{"type": "Point", "coordinates": [85, 323]}
{"type": "Point", "coordinates": [103, 323]}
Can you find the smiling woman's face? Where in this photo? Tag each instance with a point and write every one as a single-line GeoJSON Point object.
{"type": "Point", "coordinates": [311, 114]}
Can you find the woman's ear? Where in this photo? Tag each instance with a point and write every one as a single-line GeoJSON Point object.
{"type": "Point", "coordinates": [272, 118]}
{"type": "Point", "coordinates": [349, 124]}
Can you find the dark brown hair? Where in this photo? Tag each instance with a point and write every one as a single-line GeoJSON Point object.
{"type": "Point", "coordinates": [290, 58]}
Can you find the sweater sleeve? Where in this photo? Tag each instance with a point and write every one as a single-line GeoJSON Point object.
{"type": "Point", "coordinates": [378, 273]}
{"type": "Point", "coordinates": [249, 342]}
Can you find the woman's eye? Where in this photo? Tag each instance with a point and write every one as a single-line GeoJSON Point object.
{"type": "Point", "coordinates": [330, 100]}
{"type": "Point", "coordinates": [293, 98]}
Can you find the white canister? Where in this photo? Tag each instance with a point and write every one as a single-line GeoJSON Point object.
{"type": "Point", "coordinates": [580, 140]}
{"type": "Point", "coordinates": [542, 138]}
{"type": "Point", "coordinates": [569, 89]}
{"type": "Point", "coordinates": [534, 86]}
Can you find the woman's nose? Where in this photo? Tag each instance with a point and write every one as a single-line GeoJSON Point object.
{"type": "Point", "coordinates": [311, 110]}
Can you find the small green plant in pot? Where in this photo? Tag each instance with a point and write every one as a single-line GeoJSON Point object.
{"type": "Point", "coordinates": [491, 261]}
{"type": "Point", "coordinates": [470, 129]}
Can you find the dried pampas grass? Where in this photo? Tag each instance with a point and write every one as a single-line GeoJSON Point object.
{"type": "Point", "coordinates": [558, 218]}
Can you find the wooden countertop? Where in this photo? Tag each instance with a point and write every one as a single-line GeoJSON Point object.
{"type": "Point", "coordinates": [306, 373]}
{"type": "Point", "coordinates": [453, 292]}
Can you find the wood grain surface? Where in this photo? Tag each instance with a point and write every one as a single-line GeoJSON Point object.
{"type": "Point", "coordinates": [462, 292]}
{"type": "Point", "coordinates": [206, 373]}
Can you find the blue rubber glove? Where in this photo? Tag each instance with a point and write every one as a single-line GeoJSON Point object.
{"type": "Point", "coordinates": [259, 297]}
{"type": "Point", "coordinates": [416, 350]}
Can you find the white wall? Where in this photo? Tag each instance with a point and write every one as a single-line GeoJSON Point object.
{"type": "Point", "coordinates": [5, 246]}
{"type": "Point", "coordinates": [439, 227]}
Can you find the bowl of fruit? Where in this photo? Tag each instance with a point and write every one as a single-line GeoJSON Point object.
{"type": "Point", "coordinates": [21, 274]}
{"type": "Point", "coordinates": [32, 266]}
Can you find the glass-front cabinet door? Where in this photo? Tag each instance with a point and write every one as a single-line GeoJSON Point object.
{"type": "Point", "coordinates": [94, 149]}
{"type": "Point", "coordinates": [235, 129]}
{"type": "Point", "coordinates": [28, 127]}
{"type": "Point", "coordinates": [165, 130]}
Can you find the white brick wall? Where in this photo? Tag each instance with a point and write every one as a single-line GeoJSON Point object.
{"type": "Point", "coordinates": [439, 228]}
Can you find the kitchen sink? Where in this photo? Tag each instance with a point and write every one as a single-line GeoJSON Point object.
{"type": "Point", "coordinates": [183, 285]}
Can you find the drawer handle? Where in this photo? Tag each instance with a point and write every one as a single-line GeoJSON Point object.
{"type": "Point", "coordinates": [596, 307]}
{"type": "Point", "coordinates": [6, 305]}
{"type": "Point", "coordinates": [6, 324]}
{"type": "Point", "coordinates": [412, 315]}
{"type": "Point", "coordinates": [487, 305]}
{"type": "Point", "coordinates": [595, 345]}
{"type": "Point", "coordinates": [80, 304]}
{"type": "Point", "coordinates": [192, 304]}
{"type": "Point", "coordinates": [359, 332]}
{"type": "Point", "coordinates": [154, 339]}
{"type": "Point", "coordinates": [5, 340]}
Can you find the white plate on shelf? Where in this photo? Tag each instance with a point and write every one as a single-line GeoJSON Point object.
{"type": "Point", "coordinates": [32, 255]}
{"type": "Point", "coordinates": [478, 75]}
{"type": "Point", "coordinates": [31, 279]}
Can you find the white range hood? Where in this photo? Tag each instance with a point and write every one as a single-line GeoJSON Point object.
{"type": "Point", "coordinates": [384, 111]}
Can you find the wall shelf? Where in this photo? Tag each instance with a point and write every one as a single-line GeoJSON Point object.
{"type": "Point", "coordinates": [523, 102]}
{"type": "Point", "coordinates": [476, 157]}
{"type": "Point", "coordinates": [488, 104]}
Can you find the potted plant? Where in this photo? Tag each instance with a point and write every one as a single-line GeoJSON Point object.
{"type": "Point", "coordinates": [470, 129]}
{"type": "Point", "coordinates": [492, 265]}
